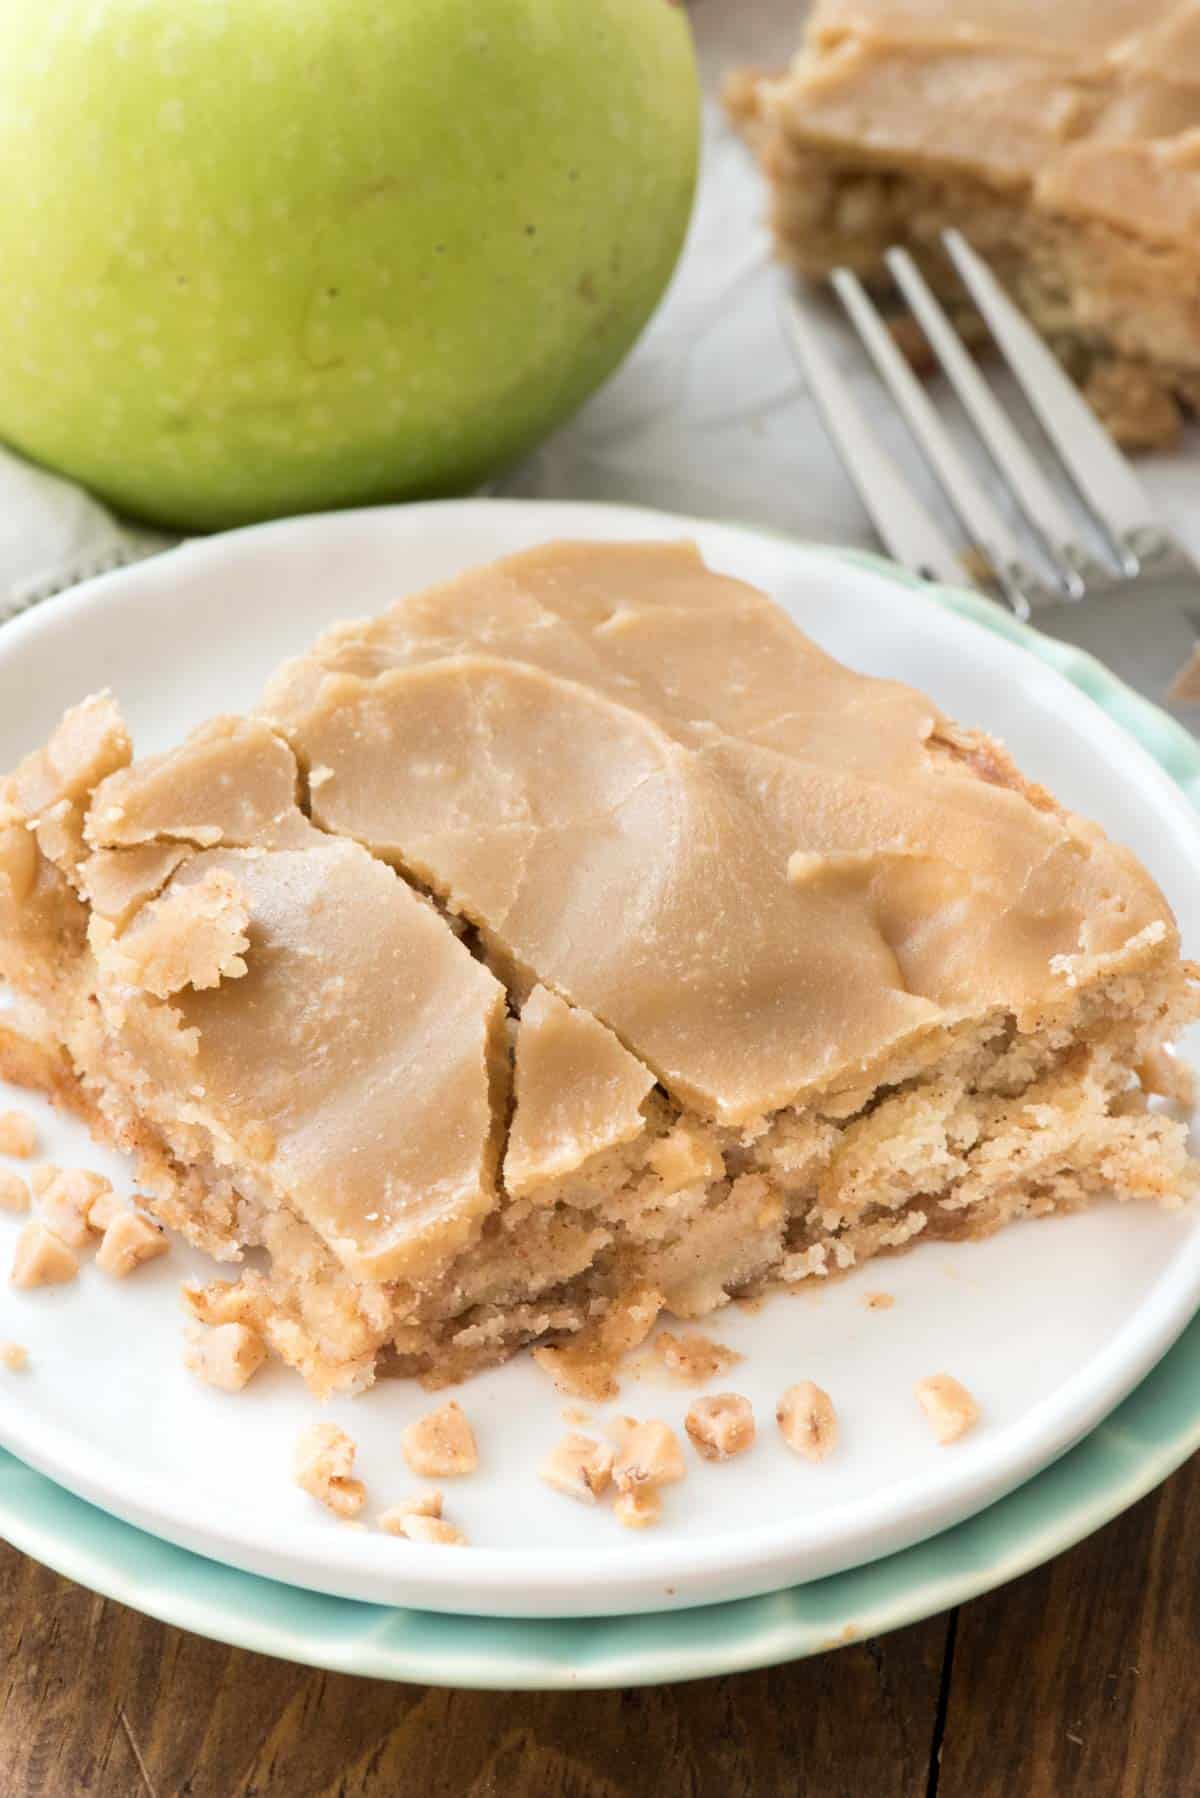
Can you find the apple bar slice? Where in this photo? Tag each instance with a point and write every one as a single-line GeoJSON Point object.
{"type": "Point", "coordinates": [574, 942]}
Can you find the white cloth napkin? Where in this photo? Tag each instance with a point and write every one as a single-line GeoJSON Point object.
{"type": "Point", "coordinates": [707, 416]}
{"type": "Point", "coordinates": [53, 534]}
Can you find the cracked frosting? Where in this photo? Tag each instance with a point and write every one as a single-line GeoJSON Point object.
{"type": "Point", "coordinates": [49, 792]}
{"type": "Point", "coordinates": [234, 784]}
{"type": "Point", "coordinates": [653, 795]}
{"type": "Point", "coordinates": [578, 1092]}
{"type": "Point", "coordinates": [295, 1001]}
{"type": "Point", "coordinates": [1095, 106]}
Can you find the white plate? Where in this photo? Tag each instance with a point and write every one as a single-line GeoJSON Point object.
{"type": "Point", "coordinates": [1048, 1323]}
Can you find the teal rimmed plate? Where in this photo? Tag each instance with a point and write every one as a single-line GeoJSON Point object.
{"type": "Point", "coordinates": [1147, 1438]}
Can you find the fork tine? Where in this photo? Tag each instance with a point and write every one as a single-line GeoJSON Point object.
{"type": "Point", "coordinates": [983, 523]}
{"type": "Point", "coordinates": [897, 514]}
{"type": "Point", "coordinates": [1041, 505]}
{"type": "Point", "coordinates": [1099, 470]}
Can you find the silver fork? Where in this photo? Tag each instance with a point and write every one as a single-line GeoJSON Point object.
{"type": "Point", "coordinates": [1136, 606]}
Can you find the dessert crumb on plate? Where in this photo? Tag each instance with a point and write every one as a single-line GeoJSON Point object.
{"type": "Point", "coordinates": [18, 1134]}
{"type": "Point", "coordinates": [807, 1420]}
{"type": "Point", "coordinates": [693, 1358]}
{"type": "Point", "coordinates": [722, 1426]}
{"type": "Point", "coordinates": [419, 1528]}
{"type": "Point", "coordinates": [323, 1465]}
{"type": "Point", "coordinates": [129, 1241]}
{"type": "Point", "coordinates": [441, 1445]}
{"type": "Point", "coordinates": [14, 1193]}
{"type": "Point", "coordinates": [65, 1203]}
{"type": "Point", "coordinates": [578, 1466]}
{"type": "Point", "coordinates": [421, 1504]}
{"type": "Point", "coordinates": [41, 1258]}
{"type": "Point", "coordinates": [948, 1406]}
{"type": "Point", "coordinates": [226, 1356]}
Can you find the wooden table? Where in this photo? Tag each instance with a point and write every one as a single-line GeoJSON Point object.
{"type": "Point", "coordinates": [1079, 1678]}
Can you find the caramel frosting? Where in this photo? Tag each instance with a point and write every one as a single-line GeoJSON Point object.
{"type": "Point", "coordinates": [47, 795]}
{"type": "Point", "coordinates": [578, 1092]}
{"type": "Point", "coordinates": [1094, 105]}
{"type": "Point", "coordinates": [115, 882]}
{"type": "Point", "coordinates": [652, 795]}
{"type": "Point", "coordinates": [297, 1002]}
{"type": "Point", "coordinates": [234, 784]}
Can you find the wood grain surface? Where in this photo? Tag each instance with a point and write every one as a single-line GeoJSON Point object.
{"type": "Point", "coordinates": [1079, 1678]}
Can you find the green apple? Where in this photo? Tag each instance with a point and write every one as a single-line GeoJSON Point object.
{"type": "Point", "coordinates": [267, 256]}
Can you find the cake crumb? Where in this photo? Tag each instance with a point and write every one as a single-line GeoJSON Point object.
{"type": "Point", "coordinates": [574, 1417]}
{"type": "Point", "coordinates": [422, 1504]}
{"type": "Point", "coordinates": [14, 1356]}
{"type": "Point", "coordinates": [693, 1359]}
{"type": "Point", "coordinates": [579, 1376]}
{"type": "Point", "coordinates": [40, 1176]}
{"type": "Point", "coordinates": [226, 1357]}
{"type": "Point", "coordinates": [128, 1241]}
{"type": "Point", "coordinates": [41, 1258]}
{"type": "Point", "coordinates": [220, 1302]}
{"type": "Point", "coordinates": [638, 1508]}
{"type": "Point", "coordinates": [807, 1421]}
{"type": "Point", "coordinates": [585, 1367]}
{"type": "Point", "coordinates": [579, 1467]}
{"type": "Point", "coordinates": [721, 1427]}
{"type": "Point", "coordinates": [440, 1445]}
{"type": "Point", "coordinates": [419, 1528]}
{"type": "Point", "coordinates": [18, 1134]}
{"type": "Point", "coordinates": [649, 1455]}
{"type": "Point", "coordinates": [14, 1194]}
{"type": "Point", "coordinates": [879, 1301]}
{"type": "Point", "coordinates": [324, 1464]}
{"type": "Point", "coordinates": [105, 1208]}
{"type": "Point", "coordinates": [948, 1405]}
{"type": "Point", "coordinates": [66, 1200]}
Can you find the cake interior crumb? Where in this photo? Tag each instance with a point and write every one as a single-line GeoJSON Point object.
{"type": "Point", "coordinates": [18, 1135]}
{"type": "Point", "coordinates": [14, 1193]}
{"type": "Point", "coordinates": [692, 1358]}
